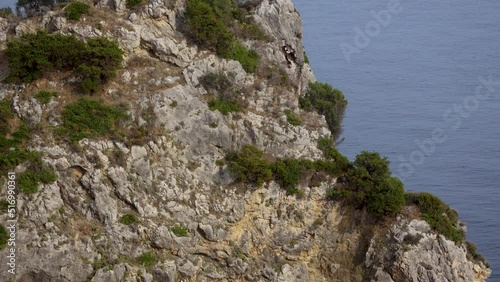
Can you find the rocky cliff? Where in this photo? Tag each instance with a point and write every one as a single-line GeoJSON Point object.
{"type": "Point", "coordinates": [193, 221]}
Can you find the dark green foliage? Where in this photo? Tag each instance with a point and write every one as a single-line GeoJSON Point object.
{"type": "Point", "coordinates": [211, 23]}
{"type": "Point", "coordinates": [287, 173]}
{"type": "Point", "coordinates": [6, 12]}
{"type": "Point", "coordinates": [179, 231]}
{"type": "Point", "coordinates": [75, 10]}
{"type": "Point", "coordinates": [327, 146]}
{"type": "Point", "coordinates": [128, 219]}
{"type": "Point", "coordinates": [4, 237]}
{"type": "Point", "coordinates": [132, 4]}
{"type": "Point", "coordinates": [306, 58]}
{"type": "Point", "coordinates": [148, 259]}
{"type": "Point", "coordinates": [473, 255]}
{"type": "Point", "coordinates": [218, 82]}
{"type": "Point", "coordinates": [89, 118]}
{"type": "Point", "coordinates": [248, 165]}
{"type": "Point", "coordinates": [29, 180]}
{"type": "Point", "coordinates": [45, 96]}
{"type": "Point", "coordinates": [4, 205]}
{"type": "Point", "coordinates": [376, 166]}
{"type": "Point", "coordinates": [439, 215]}
{"type": "Point", "coordinates": [5, 115]}
{"type": "Point", "coordinates": [387, 197]}
{"type": "Point", "coordinates": [101, 59]}
{"type": "Point", "coordinates": [292, 118]}
{"type": "Point", "coordinates": [225, 106]}
{"type": "Point", "coordinates": [34, 55]}
{"type": "Point", "coordinates": [206, 27]}
{"type": "Point", "coordinates": [327, 101]}
{"type": "Point", "coordinates": [249, 59]}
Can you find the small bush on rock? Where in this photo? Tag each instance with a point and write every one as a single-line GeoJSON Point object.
{"type": "Point", "coordinates": [327, 101]}
{"type": "Point", "coordinates": [75, 10]}
{"type": "Point", "coordinates": [248, 165]}
{"type": "Point", "coordinates": [132, 4]}
{"type": "Point", "coordinates": [89, 118]}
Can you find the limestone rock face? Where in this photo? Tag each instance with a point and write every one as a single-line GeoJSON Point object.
{"type": "Point", "coordinates": [413, 252]}
{"type": "Point", "coordinates": [193, 222]}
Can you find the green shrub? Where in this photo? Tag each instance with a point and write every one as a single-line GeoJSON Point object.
{"type": "Point", "coordinates": [219, 82]}
{"type": "Point", "coordinates": [128, 219]}
{"type": "Point", "coordinates": [132, 4]}
{"type": "Point", "coordinates": [89, 118]}
{"type": "Point", "coordinates": [179, 231]}
{"type": "Point", "coordinates": [29, 180]}
{"type": "Point", "coordinates": [225, 106]}
{"type": "Point", "coordinates": [148, 259]}
{"type": "Point", "coordinates": [249, 59]}
{"type": "Point", "coordinates": [6, 12]}
{"type": "Point", "coordinates": [473, 255]}
{"type": "Point", "coordinates": [306, 58]}
{"type": "Point", "coordinates": [5, 115]}
{"type": "Point", "coordinates": [386, 198]}
{"type": "Point", "coordinates": [327, 146]}
{"type": "Point", "coordinates": [205, 27]}
{"type": "Point", "coordinates": [376, 166]}
{"type": "Point", "coordinates": [249, 165]}
{"type": "Point", "coordinates": [33, 55]}
{"type": "Point", "coordinates": [75, 10]}
{"type": "Point", "coordinates": [4, 237]}
{"type": "Point", "coordinates": [287, 174]}
{"type": "Point", "coordinates": [292, 118]}
{"type": "Point", "coordinates": [327, 101]}
{"type": "Point", "coordinates": [45, 96]}
{"type": "Point", "coordinates": [4, 205]}
{"type": "Point", "coordinates": [439, 215]}
{"type": "Point", "coordinates": [210, 24]}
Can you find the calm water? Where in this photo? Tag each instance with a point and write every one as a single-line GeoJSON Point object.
{"type": "Point", "coordinates": [426, 60]}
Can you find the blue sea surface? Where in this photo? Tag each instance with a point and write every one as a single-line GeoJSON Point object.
{"type": "Point", "coordinates": [416, 77]}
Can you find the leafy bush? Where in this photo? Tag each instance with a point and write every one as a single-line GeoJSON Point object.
{"type": "Point", "coordinates": [75, 10]}
{"type": "Point", "coordinates": [4, 237]}
{"type": "Point", "coordinates": [29, 180]}
{"type": "Point", "coordinates": [287, 174]}
{"type": "Point", "coordinates": [147, 259]}
{"type": "Point", "coordinates": [327, 101]}
{"type": "Point", "coordinates": [5, 115]}
{"type": "Point", "coordinates": [327, 146]}
{"type": "Point", "coordinates": [376, 166]}
{"type": "Point", "coordinates": [179, 231]}
{"type": "Point", "coordinates": [473, 255]}
{"type": "Point", "coordinates": [439, 215]}
{"type": "Point", "coordinates": [249, 59]}
{"type": "Point", "coordinates": [386, 198]}
{"type": "Point", "coordinates": [249, 165]}
{"type": "Point", "coordinates": [6, 12]}
{"type": "Point", "coordinates": [210, 24]}
{"type": "Point", "coordinates": [132, 4]}
{"type": "Point", "coordinates": [218, 82]}
{"type": "Point", "coordinates": [33, 55]}
{"type": "Point", "coordinates": [128, 219]}
{"type": "Point", "coordinates": [89, 118]}
{"type": "Point", "coordinates": [225, 106]}
{"type": "Point", "coordinates": [292, 118]}
{"type": "Point", "coordinates": [45, 96]}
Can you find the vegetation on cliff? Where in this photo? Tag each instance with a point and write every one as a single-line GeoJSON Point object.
{"type": "Point", "coordinates": [33, 56]}
{"type": "Point", "coordinates": [215, 25]}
